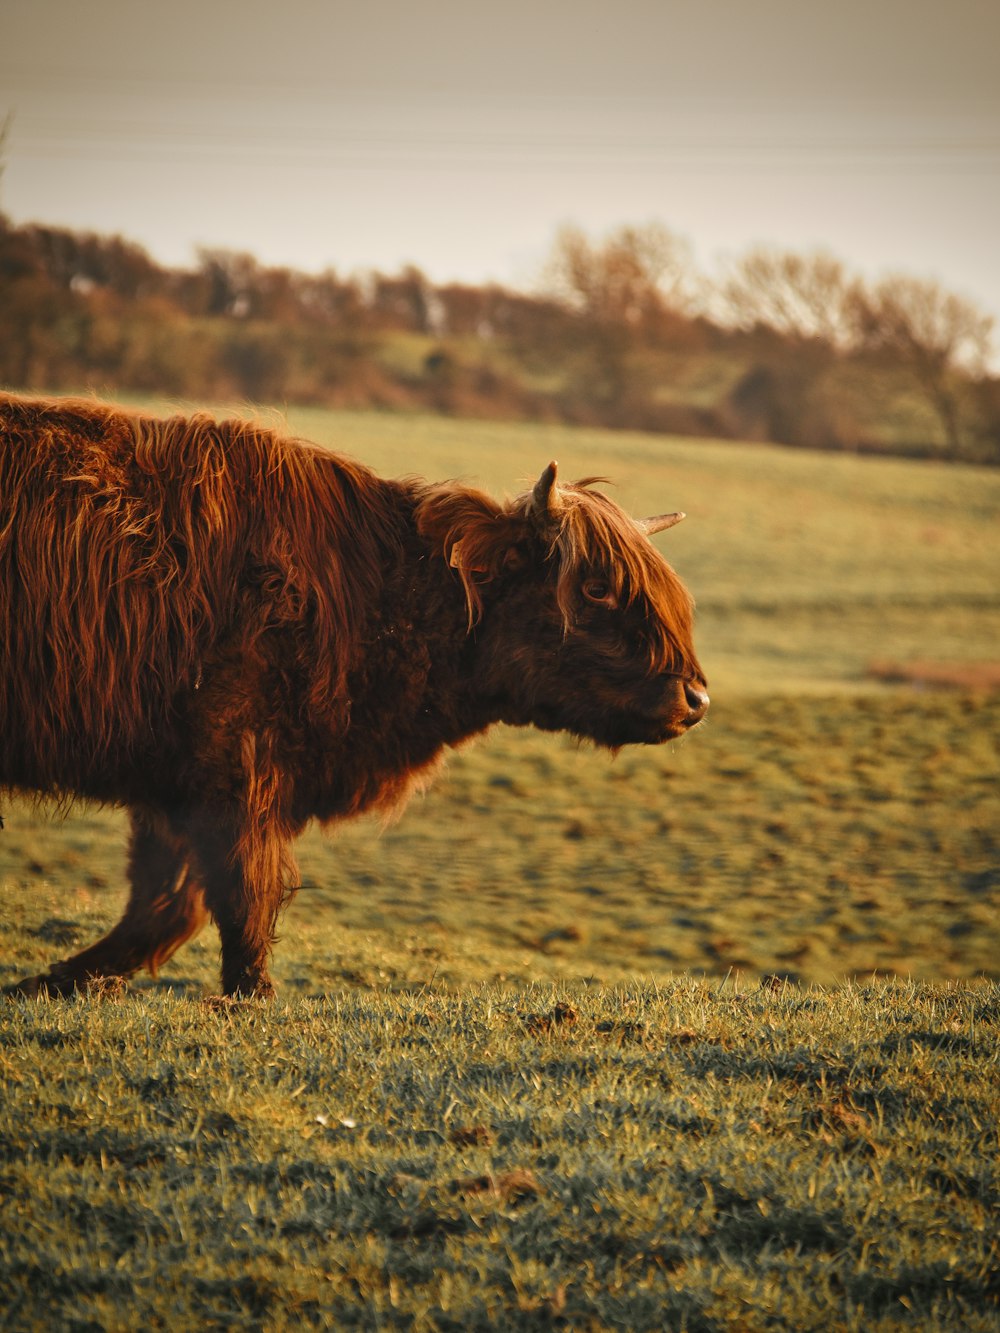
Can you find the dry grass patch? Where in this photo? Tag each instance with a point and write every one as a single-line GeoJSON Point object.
{"type": "Point", "coordinates": [975, 677]}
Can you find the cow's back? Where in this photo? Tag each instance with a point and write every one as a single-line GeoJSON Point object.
{"type": "Point", "coordinates": [107, 590]}
{"type": "Point", "coordinates": [131, 549]}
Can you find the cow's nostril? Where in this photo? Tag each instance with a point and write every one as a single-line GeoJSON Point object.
{"type": "Point", "coordinates": [697, 700]}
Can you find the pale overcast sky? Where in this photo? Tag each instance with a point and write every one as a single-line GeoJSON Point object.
{"type": "Point", "coordinates": [458, 136]}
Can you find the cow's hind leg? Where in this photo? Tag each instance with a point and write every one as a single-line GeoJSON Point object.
{"type": "Point", "coordinates": [246, 881]}
{"type": "Point", "coordinates": [166, 907]}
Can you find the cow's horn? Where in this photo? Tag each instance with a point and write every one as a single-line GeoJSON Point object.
{"type": "Point", "coordinates": [658, 524]}
{"type": "Point", "coordinates": [544, 501]}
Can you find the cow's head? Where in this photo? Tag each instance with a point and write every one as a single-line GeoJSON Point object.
{"type": "Point", "coordinates": [580, 623]}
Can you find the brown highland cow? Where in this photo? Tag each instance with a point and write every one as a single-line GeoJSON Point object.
{"type": "Point", "coordinates": [230, 633]}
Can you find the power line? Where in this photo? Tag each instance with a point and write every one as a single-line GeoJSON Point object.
{"type": "Point", "coordinates": [513, 152]}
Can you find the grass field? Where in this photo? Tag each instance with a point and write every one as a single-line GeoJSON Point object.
{"type": "Point", "coordinates": [704, 1037]}
{"type": "Point", "coordinates": [648, 1158]}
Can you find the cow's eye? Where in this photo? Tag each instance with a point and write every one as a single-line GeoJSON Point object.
{"type": "Point", "coordinates": [599, 591]}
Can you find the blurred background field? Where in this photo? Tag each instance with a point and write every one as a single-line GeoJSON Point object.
{"type": "Point", "coordinates": [837, 816]}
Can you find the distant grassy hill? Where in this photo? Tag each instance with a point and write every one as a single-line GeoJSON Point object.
{"type": "Point", "coordinates": [847, 404]}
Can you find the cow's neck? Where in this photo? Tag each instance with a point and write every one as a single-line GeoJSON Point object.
{"type": "Point", "coordinates": [413, 694]}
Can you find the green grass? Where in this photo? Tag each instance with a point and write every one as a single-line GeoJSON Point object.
{"type": "Point", "coordinates": [700, 1038]}
{"type": "Point", "coordinates": [638, 1158]}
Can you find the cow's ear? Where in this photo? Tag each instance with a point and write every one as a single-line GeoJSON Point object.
{"type": "Point", "coordinates": [474, 535]}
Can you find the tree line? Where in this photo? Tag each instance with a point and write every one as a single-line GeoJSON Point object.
{"type": "Point", "coordinates": [620, 331]}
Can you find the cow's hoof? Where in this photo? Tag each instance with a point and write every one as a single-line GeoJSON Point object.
{"type": "Point", "coordinates": [52, 986]}
{"type": "Point", "coordinates": [103, 988]}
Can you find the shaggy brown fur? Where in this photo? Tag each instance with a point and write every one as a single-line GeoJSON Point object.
{"type": "Point", "coordinates": [230, 633]}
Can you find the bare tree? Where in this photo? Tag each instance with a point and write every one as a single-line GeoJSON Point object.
{"type": "Point", "coordinates": [632, 276]}
{"type": "Point", "coordinates": [801, 312]}
{"type": "Point", "coordinates": [629, 290]}
{"type": "Point", "coordinates": [944, 339]}
{"type": "Point", "coordinates": [804, 298]}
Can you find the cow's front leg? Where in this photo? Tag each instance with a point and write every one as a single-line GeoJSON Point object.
{"type": "Point", "coordinates": [245, 880]}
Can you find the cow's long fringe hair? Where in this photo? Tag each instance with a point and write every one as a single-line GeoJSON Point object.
{"type": "Point", "coordinates": [596, 536]}
{"type": "Point", "coordinates": [589, 535]}
{"type": "Point", "coordinates": [129, 545]}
